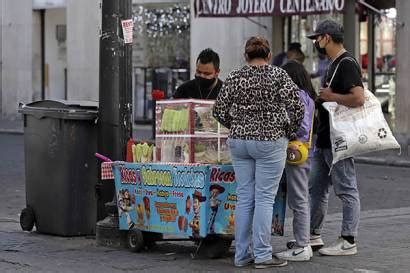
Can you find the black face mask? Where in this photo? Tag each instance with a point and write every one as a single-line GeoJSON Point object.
{"type": "Point", "coordinates": [205, 83]}
{"type": "Point", "coordinates": [319, 49]}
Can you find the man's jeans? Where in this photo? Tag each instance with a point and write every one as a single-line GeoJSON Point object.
{"type": "Point", "coordinates": [343, 178]}
{"type": "Point", "coordinates": [258, 168]}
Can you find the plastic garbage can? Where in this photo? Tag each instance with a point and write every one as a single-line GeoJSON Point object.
{"type": "Point", "coordinates": [60, 139]}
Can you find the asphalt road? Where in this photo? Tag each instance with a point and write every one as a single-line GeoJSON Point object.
{"type": "Point", "coordinates": [383, 242]}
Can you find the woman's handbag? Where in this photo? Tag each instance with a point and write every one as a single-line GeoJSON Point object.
{"type": "Point", "coordinates": [298, 156]}
{"type": "Point", "coordinates": [301, 154]}
{"type": "Point", "coordinates": [358, 130]}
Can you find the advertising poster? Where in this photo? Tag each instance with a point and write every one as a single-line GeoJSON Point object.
{"type": "Point", "coordinates": [222, 202]}
{"type": "Point", "coordinates": [186, 200]}
{"type": "Point", "coordinates": [127, 30]}
{"type": "Point", "coordinates": [162, 198]}
{"type": "Point", "coordinates": [279, 210]}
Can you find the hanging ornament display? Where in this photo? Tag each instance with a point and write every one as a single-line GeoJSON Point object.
{"type": "Point", "coordinates": [161, 35]}
{"type": "Point", "coordinates": [161, 21]}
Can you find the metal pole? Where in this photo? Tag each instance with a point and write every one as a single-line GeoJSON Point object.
{"type": "Point", "coordinates": [115, 127]}
{"type": "Point", "coordinates": [43, 56]}
{"type": "Point", "coordinates": [371, 51]}
{"type": "Point", "coordinates": [351, 28]}
{"type": "Point", "coordinates": [402, 99]}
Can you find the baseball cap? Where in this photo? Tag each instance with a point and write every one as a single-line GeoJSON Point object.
{"type": "Point", "coordinates": [327, 27]}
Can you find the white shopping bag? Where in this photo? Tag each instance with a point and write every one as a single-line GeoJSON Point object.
{"type": "Point", "coordinates": [355, 131]}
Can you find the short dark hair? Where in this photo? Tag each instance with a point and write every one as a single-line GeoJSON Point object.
{"type": "Point", "coordinates": [208, 56]}
{"type": "Point", "coordinates": [338, 39]}
{"type": "Point", "coordinates": [295, 46]}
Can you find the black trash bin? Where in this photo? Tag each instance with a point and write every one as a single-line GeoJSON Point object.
{"type": "Point", "coordinates": [60, 139]}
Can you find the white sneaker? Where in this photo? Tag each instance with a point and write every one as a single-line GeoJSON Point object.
{"type": "Point", "coordinates": [297, 254]}
{"type": "Point", "coordinates": [340, 248]}
{"type": "Point", "coordinates": [316, 242]}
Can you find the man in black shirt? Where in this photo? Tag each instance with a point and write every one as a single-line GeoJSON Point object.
{"type": "Point", "coordinates": [345, 87]}
{"type": "Point", "coordinates": [206, 84]}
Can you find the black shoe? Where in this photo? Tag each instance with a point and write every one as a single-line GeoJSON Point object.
{"type": "Point", "coordinates": [274, 262]}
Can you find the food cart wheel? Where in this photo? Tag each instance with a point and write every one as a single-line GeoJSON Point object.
{"type": "Point", "coordinates": [151, 237]}
{"type": "Point", "coordinates": [135, 240]}
{"type": "Point", "coordinates": [215, 246]}
{"type": "Point", "coordinates": [27, 219]}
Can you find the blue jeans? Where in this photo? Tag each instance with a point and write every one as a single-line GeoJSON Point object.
{"type": "Point", "coordinates": [258, 168]}
{"type": "Point", "coordinates": [343, 179]}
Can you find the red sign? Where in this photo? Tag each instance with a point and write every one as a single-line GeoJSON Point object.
{"type": "Point", "coordinates": [245, 8]}
{"type": "Point", "coordinates": [222, 176]}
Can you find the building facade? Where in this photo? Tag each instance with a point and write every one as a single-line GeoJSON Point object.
{"type": "Point", "coordinates": [50, 49]}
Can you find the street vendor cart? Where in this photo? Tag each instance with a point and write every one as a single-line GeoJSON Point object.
{"type": "Point", "coordinates": [190, 191]}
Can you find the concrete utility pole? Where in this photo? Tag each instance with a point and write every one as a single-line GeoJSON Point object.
{"type": "Point", "coordinates": [371, 51]}
{"type": "Point", "coordinates": [351, 28]}
{"type": "Point", "coordinates": [115, 96]}
{"type": "Point", "coordinates": [402, 99]}
{"type": "Point", "coordinates": [278, 44]}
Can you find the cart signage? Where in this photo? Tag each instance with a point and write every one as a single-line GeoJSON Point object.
{"type": "Point", "coordinates": [245, 8]}
{"type": "Point", "coordinates": [222, 200]}
{"type": "Point", "coordinates": [187, 200]}
{"type": "Point", "coordinates": [218, 175]}
{"type": "Point", "coordinates": [162, 198]}
{"type": "Point", "coordinates": [129, 176]}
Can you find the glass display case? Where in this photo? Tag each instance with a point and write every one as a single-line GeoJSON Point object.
{"type": "Point", "coordinates": [186, 132]}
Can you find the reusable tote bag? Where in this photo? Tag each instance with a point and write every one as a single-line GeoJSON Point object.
{"type": "Point", "coordinates": [359, 130]}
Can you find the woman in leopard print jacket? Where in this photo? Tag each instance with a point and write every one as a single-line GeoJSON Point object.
{"type": "Point", "coordinates": [260, 105]}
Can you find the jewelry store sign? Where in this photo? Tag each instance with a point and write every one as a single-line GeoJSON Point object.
{"type": "Point", "coordinates": [245, 8]}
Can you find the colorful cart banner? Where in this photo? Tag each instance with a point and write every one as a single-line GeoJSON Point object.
{"type": "Point", "coordinates": [222, 202]}
{"type": "Point", "coordinates": [190, 200]}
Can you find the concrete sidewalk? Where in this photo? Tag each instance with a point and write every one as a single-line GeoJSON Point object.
{"type": "Point", "coordinates": [383, 247]}
{"type": "Point", "coordinates": [11, 126]}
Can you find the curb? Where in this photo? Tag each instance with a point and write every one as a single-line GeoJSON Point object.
{"type": "Point", "coordinates": [394, 162]}
{"type": "Point", "coordinates": [11, 131]}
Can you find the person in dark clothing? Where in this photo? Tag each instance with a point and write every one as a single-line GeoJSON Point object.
{"type": "Point", "coordinates": [344, 86]}
{"type": "Point", "coordinates": [294, 53]}
{"type": "Point", "coordinates": [206, 84]}
{"type": "Point", "coordinates": [321, 71]}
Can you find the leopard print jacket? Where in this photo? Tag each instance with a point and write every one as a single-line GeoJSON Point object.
{"type": "Point", "coordinates": [259, 103]}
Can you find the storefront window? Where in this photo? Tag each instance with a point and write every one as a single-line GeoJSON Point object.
{"type": "Point", "coordinates": [384, 62]}
{"type": "Point", "coordinates": [296, 28]}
